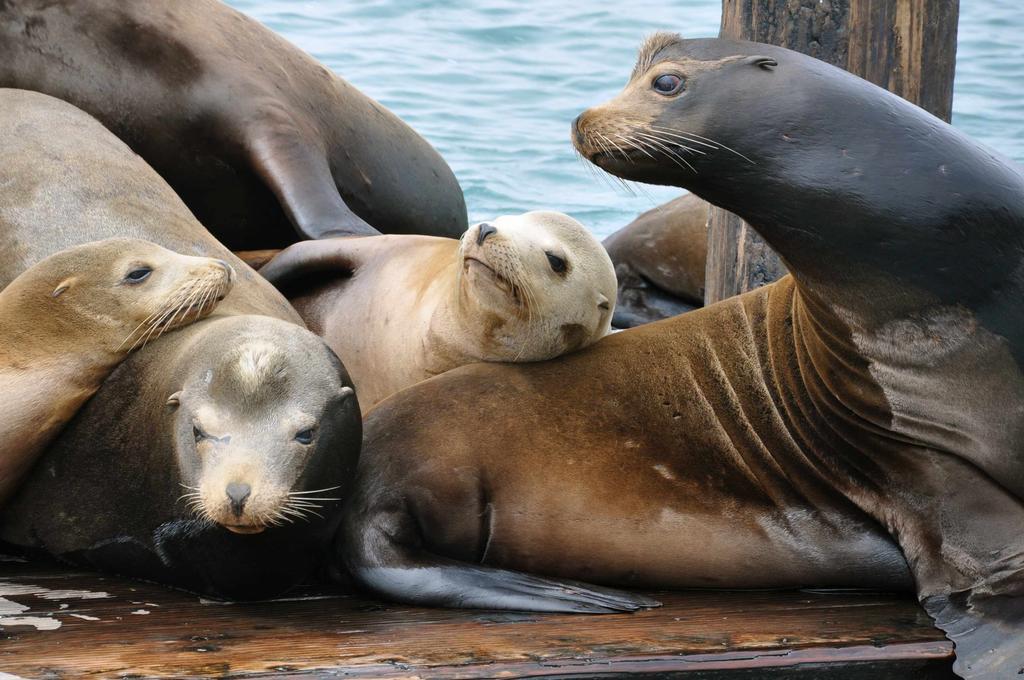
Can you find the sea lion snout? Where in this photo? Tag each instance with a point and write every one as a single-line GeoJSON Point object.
{"type": "Point", "coordinates": [483, 231]}
{"type": "Point", "coordinates": [238, 493]}
{"type": "Point", "coordinates": [228, 269]}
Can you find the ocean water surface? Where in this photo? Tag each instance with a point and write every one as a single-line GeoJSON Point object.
{"type": "Point", "coordinates": [494, 84]}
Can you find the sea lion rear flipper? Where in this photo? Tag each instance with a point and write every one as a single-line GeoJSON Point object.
{"type": "Point", "coordinates": [433, 581]}
{"type": "Point", "coordinates": [301, 179]}
{"type": "Point", "coordinates": [337, 256]}
{"type": "Point", "coordinates": [380, 551]}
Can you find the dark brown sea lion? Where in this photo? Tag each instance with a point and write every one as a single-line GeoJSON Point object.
{"type": "Point", "coordinates": [68, 321]}
{"type": "Point", "coordinates": [232, 426]}
{"type": "Point", "coordinates": [660, 259]}
{"type": "Point", "coordinates": [260, 140]}
{"type": "Point", "coordinates": [858, 423]}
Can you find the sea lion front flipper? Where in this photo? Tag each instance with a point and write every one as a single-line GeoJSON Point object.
{"type": "Point", "coordinates": [301, 179]}
{"type": "Point", "coordinates": [985, 630]}
{"type": "Point", "coordinates": [961, 536]}
{"type": "Point", "coordinates": [381, 552]}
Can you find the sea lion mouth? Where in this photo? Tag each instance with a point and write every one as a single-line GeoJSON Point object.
{"type": "Point", "coordinates": [491, 273]}
{"type": "Point", "coordinates": [188, 314]}
{"type": "Point", "coordinates": [244, 529]}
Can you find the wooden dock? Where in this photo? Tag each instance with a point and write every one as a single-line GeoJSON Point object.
{"type": "Point", "coordinates": [56, 623]}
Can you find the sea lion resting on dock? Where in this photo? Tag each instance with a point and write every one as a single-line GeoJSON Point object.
{"type": "Point", "coordinates": [401, 309]}
{"type": "Point", "coordinates": [858, 423]}
{"type": "Point", "coordinates": [68, 321]}
{"type": "Point", "coordinates": [247, 408]}
{"type": "Point", "coordinates": [260, 140]}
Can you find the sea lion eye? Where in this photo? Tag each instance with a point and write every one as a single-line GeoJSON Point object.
{"type": "Point", "coordinates": [138, 275]}
{"type": "Point", "coordinates": [668, 84]}
{"type": "Point", "coordinates": [305, 437]}
{"type": "Point", "coordinates": [557, 264]}
{"type": "Point", "coordinates": [198, 433]}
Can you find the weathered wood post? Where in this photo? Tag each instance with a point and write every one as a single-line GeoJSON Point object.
{"type": "Point", "coordinates": [907, 46]}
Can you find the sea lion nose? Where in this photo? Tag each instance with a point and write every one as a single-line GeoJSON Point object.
{"type": "Point", "coordinates": [238, 493]}
{"type": "Point", "coordinates": [577, 130]}
{"type": "Point", "coordinates": [485, 231]}
{"type": "Point", "coordinates": [227, 268]}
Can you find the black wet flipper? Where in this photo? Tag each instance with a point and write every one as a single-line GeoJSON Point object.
{"type": "Point", "coordinates": [453, 584]}
{"type": "Point", "coordinates": [988, 633]}
{"type": "Point", "coordinates": [301, 178]}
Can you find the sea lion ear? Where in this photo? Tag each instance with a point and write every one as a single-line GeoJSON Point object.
{"type": "Point", "coordinates": [174, 400]}
{"type": "Point", "coordinates": [603, 302]}
{"type": "Point", "coordinates": [766, 63]}
{"type": "Point", "coordinates": [62, 287]}
{"type": "Point", "coordinates": [345, 392]}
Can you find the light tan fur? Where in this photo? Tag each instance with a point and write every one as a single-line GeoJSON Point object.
{"type": "Point", "coordinates": [417, 306]}
{"type": "Point", "coordinates": [68, 321]}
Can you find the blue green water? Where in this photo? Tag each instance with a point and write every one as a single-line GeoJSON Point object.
{"type": "Point", "coordinates": [494, 84]}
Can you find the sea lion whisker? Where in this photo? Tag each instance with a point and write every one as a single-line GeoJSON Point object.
{"type": "Point", "coordinates": [294, 515]}
{"type": "Point", "coordinates": [149, 319]}
{"type": "Point", "coordinates": [155, 325]}
{"type": "Point", "coordinates": [675, 157]}
{"type": "Point", "coordinates": [603, 177]}
{"type": "Point", "coordinates": [612, 179]}
{"type": "Point", "coordinates": [328, 488]}
{"type": "Point", "coordinates": [636, 144]}
{"type": "Point", "coordinates": [310, 506]}
{"type": "Point", "coordinates": [668, 140]}
{"type": "Point", "coordinates": [684, 135]}
{"type": "Point", "coordinates": [617, 148]}
{"type": "Point", "coordinates": [182, 307]}
{"type": "Point", "coordinates": [208, 292]}
{"type": "Point", "coordinates": [697, 141]}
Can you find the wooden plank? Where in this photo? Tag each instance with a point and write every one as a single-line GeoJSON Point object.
{"type": "Point", "coordinates": [907, 46]}
{"type": "Point", "coordinates": [104, 626]}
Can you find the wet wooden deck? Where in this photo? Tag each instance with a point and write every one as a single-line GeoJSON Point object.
{"type": "Point", "coordinates": [62, 624]}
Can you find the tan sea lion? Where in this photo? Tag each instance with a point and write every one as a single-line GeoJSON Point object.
{"type": "Point", "coordinates": [246, 408]}
{"type": "Point", "coordinates": [858, 423]}
{"type": "Point", "coordinates": [69, 320]}
{"type": "Point", "coordinates": [401, 309]}
{"type": "Point", "coordinates": [660, 258]}
{"type": "Point", "coordinates": [264, 144]}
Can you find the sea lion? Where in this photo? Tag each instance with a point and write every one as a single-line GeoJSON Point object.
{"type": "Point", "coordinates": [401, 309]}
{"type": "Point", "coordinates": [858, 423]}
{"type": "Point", "coordinates": [263, 143]}
{"type": "Point", "coordinates": [68, 321]}
{"type": "Point", "coordinates": [660, 258]}
{"type": "Point", "coordinates": [247, 408]}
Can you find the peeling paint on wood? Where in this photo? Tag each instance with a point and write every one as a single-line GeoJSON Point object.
{"type": "Point", "coordinates": [332, 634]}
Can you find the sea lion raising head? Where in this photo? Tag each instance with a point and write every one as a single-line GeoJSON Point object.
{"type": "Point", "coordinates": [857, 423]}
